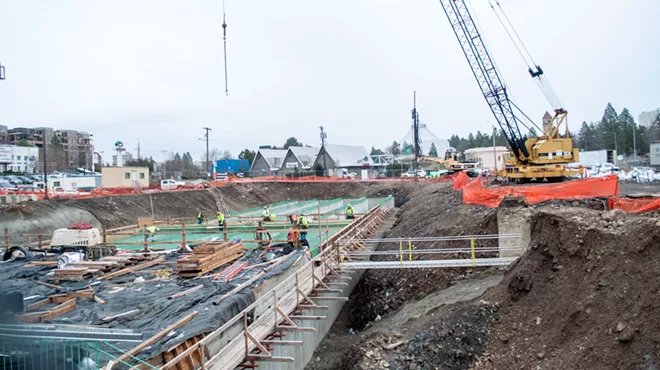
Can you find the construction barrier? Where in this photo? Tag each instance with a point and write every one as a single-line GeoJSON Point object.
{"type": "Point", "coordinates": [635, 205]}
{"type": "Point", "coordinates": [460, 180]}
{"type": "Point", "coordinates": [601, 187]}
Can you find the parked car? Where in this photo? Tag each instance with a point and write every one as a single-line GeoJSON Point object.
{"type": "Point", "coordinates": [7, 186]}
{"type": "Point", "coordinates": [14, 180]}
{"type": "Point", "coordinates": [26, 180]}
{"type": "Point", "coordinates": [344, 174]}
{"type": "Point", "coordinates": [172, 185]}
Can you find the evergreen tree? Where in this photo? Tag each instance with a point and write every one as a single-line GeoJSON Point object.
{"type": "Point", "coordinates": [395, 149]}
{"type": "Point", "coordinates": [626, 124]}
{"type": "Point", "coordinates": [375, 151]}
{"type": "Point", "coordinates": [433, 151]}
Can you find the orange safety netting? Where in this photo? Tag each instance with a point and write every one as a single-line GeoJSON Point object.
{"type": "Point", "coordinates": [475, 193]}
{"type": "Point", "coordinates": [636, 205]}
{"type": "Point", "coordinates": [460, 180]}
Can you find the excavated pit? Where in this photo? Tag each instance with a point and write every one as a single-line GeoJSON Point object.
{"type": "Point", "coordinates": [583, 296]}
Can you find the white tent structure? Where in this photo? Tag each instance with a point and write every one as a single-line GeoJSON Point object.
{"type": "Point", "coordinates": [427, 137]}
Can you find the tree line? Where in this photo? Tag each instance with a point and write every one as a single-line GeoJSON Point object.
{"type": "Point", "coordinates": [613, 131]}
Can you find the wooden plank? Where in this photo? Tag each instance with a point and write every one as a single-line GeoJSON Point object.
{"type": "Point", "coordinates": [38, 304]}
{"type": "Point", "coordinates": [303, 317]}
{"type": "Point", "coordinates": [186, 292]}
{"type": "Point", "coordinates": [283, 342]}
{"type": "Point", "coordinates": [269, 358]}
{"type": "Point", "coordinates": [128, 270]}
{"type": "Point", "coordinates": [47, 284]}
{"type": "Point", "coordinates": [61, 309]}
{"type": "Point", "coordinates": [155, 338]}
{"type": "Point", "coordinates": [110, 318]}
{"type": "Point", "coordinates": [294, 328]}
{"type": "Point", "coordinates": [99, 299]}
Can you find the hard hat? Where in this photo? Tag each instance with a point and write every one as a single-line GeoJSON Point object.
{"type": "Point", "coordinates": [158, 229]}
{"type": "Point", "coordinates": [350, 205]}
{"type": "Point", "coordinates": [265, 207]}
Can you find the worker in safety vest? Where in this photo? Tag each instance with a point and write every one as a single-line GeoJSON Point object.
{"type": "Point", "coordinates": [221, 220]}
{"type": "Point", "coordinates": [350, 212]}
{"type": "Point", "coordinates": [152, 230]}
{"type": "Point", "coordinates": [293, 218]}
{"type": "Point", "coordinates": [303, 225]}
{"type": "Point", "coordinates": [266, 214]}
{"type": "Point", "coordinates": [200, 217]}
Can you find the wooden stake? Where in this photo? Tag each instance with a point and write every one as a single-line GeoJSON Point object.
{"type": "Point", "coordinates": [110, 318]}
{"type": "Point", "coordinates": [186, 292]}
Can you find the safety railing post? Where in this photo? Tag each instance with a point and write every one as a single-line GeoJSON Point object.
{"type": "Point", "coordinates": [401, 252]}
{"type": "Point", "coordinates": [474, 262]}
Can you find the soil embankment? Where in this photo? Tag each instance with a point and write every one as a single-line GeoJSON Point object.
{"type": "Point", "coordinates": [583, 296]}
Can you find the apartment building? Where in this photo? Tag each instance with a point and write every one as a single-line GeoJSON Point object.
{"type": "Point", "coordinates": [77, 145]}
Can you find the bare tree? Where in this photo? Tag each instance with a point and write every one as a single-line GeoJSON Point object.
{"type": "Point", "coordinates": [226, 155]}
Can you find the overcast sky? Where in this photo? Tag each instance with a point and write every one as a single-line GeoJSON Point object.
{"type": "Point", "coordinates": [153, 69]}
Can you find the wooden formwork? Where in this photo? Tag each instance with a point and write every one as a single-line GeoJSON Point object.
{"type": "Point", "coordinates": [304, 291]}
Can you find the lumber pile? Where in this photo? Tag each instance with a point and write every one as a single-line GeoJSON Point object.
{"type": "Point", "coordinates": [207, 258]}
{"type": "Point", "coordinates": [73, 274]}
{"type": "Point", "coordinates": [110, 266]}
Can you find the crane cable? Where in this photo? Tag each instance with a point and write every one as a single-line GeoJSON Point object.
{"type": "Point", "coordinates": [224, 37]}
{"type": "Point", "coordinates": [542, 82]}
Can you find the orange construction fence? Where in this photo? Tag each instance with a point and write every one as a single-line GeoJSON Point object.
{"type": "Point", "coordinates": [635, 205]}
{"type": "Point", "coordinates": [601, 187]}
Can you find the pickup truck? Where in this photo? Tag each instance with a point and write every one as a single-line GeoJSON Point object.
{"type": "Point", "coordinates": [172, 185]}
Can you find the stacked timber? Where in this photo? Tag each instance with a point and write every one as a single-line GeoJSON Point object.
{"type": "Point", "coordinates": [111, 266]}
{"type": "Point", "coordinates": [73, 274]}
{"type": "Point", "coordinates": [207, 258]}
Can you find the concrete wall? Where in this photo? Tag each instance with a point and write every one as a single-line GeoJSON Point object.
{"type": "Point", "coordinates": [303, 354]}
{"type": "Point", "coordinates": [513, 218]}
{"type": "Point", "coordinates": [124, 177]}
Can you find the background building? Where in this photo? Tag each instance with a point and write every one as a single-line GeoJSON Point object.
{"type": "Point", "coordinates": [267, 162]}
{"type": "Point", "coordinates": [352, 158]}
{"type": "Point", "coordinates": [485, 157]}
{"type": "Point", "coordinates": [299, 159]}
{"type": "Point", "coordinates": [22, 159]}
{"type": "Point", "coordinates": [125, 177]}
{"type": "Point", "coordinates": [647, 118]}
{"type": "Point", "coordinates": [76, 146]}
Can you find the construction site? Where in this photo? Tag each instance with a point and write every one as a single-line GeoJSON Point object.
{"type": "Point", "coordinates": [419, 279]}
{"type": "Point", "coordinates": [304, 258]}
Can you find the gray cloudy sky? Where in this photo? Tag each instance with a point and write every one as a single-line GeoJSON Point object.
{"type": "Point", "coordinates": [153, 69]}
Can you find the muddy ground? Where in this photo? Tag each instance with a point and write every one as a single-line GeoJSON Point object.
{"type": "Point", "coordinates": [584, 296]}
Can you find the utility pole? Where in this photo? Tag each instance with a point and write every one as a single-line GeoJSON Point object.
{"type": "Point", "coordinates": [634, 142]}
{"type": "Point", "coordinates": [45, 167]}
{"type": "Point", "coordinates": [164, 163]}
{"type": "Point", "coordinates": [208, 168]}
{"type": "Point", "coordinates": [416, 142]}
{"type": "Point", "coordinates": [323, 137]}
{"type": "Point", "coordinates": [2, 72]}
{"type": "Point", "coordinates": [494, 152]}
{"type": "Point", "coordinates": [138, 151]}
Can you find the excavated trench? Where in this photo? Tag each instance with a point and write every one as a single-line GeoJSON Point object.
{"type": "Point", "coordinates": [584, 294]}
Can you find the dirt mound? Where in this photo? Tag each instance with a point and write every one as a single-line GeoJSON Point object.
{"type": "Point", "coordinates": [434, 210]}
{"type": "Point", "coordinates": [585, 295]}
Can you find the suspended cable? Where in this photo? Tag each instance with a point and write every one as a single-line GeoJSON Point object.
{"type": "Point", "coordinates": [523, 113]}
{"type": "Point", "coordinates": [515, 32]}
{"type": "Point", "coordinates": [522, 56]}
{"type": "Point", "coordinates": [224, 38]}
